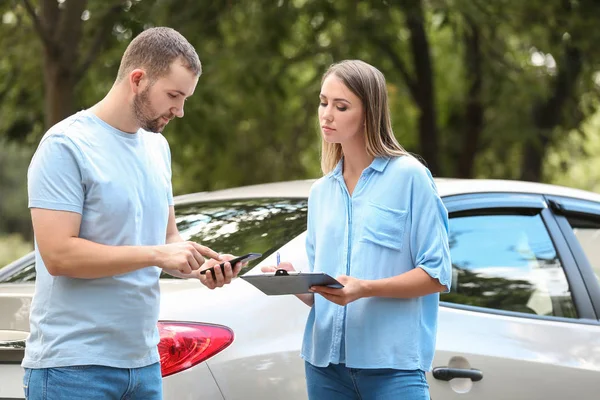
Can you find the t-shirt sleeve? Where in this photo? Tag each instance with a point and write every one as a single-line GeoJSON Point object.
{"type": "Point", "coordinates": [167, 150]}
{"type": "Point", "coordinates": [429, 236]}
{"type": "Point", "coordinates": [54, 178]}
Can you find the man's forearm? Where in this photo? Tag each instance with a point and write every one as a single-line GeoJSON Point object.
{"type": "Point", "coordinates": [81, 258]}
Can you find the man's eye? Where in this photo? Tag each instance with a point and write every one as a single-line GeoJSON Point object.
{"type": "Point", "coordinates": [172, 95]}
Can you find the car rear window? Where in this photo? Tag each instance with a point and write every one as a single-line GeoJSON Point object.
{"type": "Point", "coordinates": [243, 226]}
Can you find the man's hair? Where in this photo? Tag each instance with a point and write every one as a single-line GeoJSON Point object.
{"type": "Point", "coordinates": [155, 49]}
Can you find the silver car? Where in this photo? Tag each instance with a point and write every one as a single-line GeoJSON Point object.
{"type": "Point", "coordinates": [521, 321]}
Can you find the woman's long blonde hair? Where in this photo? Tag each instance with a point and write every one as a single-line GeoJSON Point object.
{"type": "Point", "coordinates": [368, 83]}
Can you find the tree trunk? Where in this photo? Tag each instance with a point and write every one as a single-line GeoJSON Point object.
{"type": "Point", "coordinates": [59, 91]}
{"type": "Point", "coordinates": [60, 29]}
{"type": "Point", "coordinates": [474, 108]}
{"type": "Point", "coordinates": [547, 115]}
{"type": "Point", "coordinates": [425, 92]}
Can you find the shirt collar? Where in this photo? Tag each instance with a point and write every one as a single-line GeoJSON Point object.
{"type": "Point", "coordinates": [378, 164]}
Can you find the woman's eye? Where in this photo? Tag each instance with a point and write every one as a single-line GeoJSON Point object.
{"type": "Point", "coordinates": [323, 104]}
{"type": "Point", "coordinates": [342, 108]}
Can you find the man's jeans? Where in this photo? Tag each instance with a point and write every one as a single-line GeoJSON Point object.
{"type": "Point", "coordinates": [93, 382]}
{"type": "Point", "coordinates": [337, 382]}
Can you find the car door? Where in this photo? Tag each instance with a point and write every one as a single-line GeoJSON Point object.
{"type": "Point", "coordinates": [15, 302]}
{"type": "Point", "coordinates": [519, 322]}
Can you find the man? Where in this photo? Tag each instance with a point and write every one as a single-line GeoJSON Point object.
{"type": "Point", "coordinates": [102, 211]}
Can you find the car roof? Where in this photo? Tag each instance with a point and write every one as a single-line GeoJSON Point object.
{"type": "Point", "coordinates": [446, 187]}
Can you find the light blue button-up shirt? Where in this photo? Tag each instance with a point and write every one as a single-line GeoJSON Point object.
{"type": "Point", "coordinates": [393, 222]}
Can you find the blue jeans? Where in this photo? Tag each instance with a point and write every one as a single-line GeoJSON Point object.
{"type": "Point", "coordinates": [93, 382]}
{"type": "Point", "coordinates": [336, 381]}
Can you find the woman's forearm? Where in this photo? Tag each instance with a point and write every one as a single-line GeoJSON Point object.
{"type": "Point", "coordinates": [414, 283]}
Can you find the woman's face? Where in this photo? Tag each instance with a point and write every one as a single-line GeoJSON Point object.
{"type": "Point", "coordinates": [341, 113]}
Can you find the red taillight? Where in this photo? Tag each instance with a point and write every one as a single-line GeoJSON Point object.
{"type": "Point", "coordinates": [185, 344]}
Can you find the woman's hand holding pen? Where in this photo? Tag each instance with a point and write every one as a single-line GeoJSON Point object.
{"type": "Point", "coordinates": [284, 265]}
{"type": "Point", "coordinates": [307, 298]}
{"type": "Point", "coordinates": [353, 289]}
{"type": "Point", "coordinates": [280, 265]}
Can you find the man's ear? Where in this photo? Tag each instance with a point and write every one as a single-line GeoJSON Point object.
{"type": "Point", "coordinates": [136, 79]}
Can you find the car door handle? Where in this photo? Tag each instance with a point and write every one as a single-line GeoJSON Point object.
{"type": "Point", "coordinates": [446, 374]}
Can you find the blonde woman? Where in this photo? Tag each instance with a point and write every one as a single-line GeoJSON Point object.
{"type": "Point", "coordinates": [376, 222]}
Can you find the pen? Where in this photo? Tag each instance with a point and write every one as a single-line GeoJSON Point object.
{"type": "Point", "coordinates": [278, 259]}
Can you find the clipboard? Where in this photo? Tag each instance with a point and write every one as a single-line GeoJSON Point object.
{"type": "Point", "coordinates": [283, 282]}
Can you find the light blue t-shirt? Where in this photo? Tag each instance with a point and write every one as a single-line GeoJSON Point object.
{"type": "Point", "coordinates": [393, 222]}
{"type": "Point", "coordinates": [121, 185]}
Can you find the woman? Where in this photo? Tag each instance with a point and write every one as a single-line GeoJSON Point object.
{"type": "Point", "coordinates": [376, 222]}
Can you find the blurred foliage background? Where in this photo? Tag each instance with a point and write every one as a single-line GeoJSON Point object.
{"type": "Point", "coordinates": [479, 89]}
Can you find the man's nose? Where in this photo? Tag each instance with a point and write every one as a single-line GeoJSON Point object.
{"type": "Point", "coordinates": [177, 111]}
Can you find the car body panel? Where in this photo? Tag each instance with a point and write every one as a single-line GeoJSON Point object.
{"type": "Point", "coordinates": [265, 353]}
{"type": "Point", "coordinates": [11, 381]}
{"type": "Point", "coordinates": [516, 355]}
{"type": "Point", "coordinates": [196, 383]}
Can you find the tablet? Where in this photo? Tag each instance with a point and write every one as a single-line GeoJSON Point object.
{"type": "Point", "coordinates": [292, 282]}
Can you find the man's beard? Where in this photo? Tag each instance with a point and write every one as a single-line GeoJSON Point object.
{"type": "Point", "coordinates": [144, 114]}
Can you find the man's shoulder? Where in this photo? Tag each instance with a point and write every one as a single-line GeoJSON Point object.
{"type": "Point", "coordinates": [70, 130]}
{"type": "Point", "coordinates": [72, 123]}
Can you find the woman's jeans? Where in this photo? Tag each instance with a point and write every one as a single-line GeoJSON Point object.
{"type": "Point", "coordinates": [93, 382]}
{"type": "Point", "coordinates": [336, 381]}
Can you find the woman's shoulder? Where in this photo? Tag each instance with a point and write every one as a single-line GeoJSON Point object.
{"type": "Point", "coordinates": [409, 167]}
{"type": "Point", "coordinates": [319, 184]}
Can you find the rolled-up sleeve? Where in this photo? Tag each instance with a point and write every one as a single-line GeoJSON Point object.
{"type": "Point", "coordinates": [429, 229]}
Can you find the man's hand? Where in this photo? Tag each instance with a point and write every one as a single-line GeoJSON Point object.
{"type": "Point", "coordinates": [184, 257]}
{"type": "Point", "coordinates": [223, 276]}
{"type": "Point", "coordinates": [353, 290]}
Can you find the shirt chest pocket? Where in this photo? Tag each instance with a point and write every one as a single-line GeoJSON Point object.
{"type": "Point", "coordinates": [384, 226]}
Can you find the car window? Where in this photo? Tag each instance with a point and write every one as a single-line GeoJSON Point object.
{"type": "Point", "coordinates": [243, 226]}
{"type": "Point", "coordinates": [587, 231]}
{"type": "Point", "coordinates": [21, 275]}
{"type": "Point", "coordinates": [507, 262]}
{"type": "Point", "coordinates": [234, 227]}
